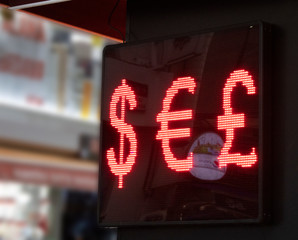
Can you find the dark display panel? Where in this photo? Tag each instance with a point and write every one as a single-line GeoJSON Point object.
{"type": "Point", "coordinates": [181, 129]}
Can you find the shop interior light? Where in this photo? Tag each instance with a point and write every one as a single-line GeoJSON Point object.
{"type": "Point", "coordinates": [15, 5]}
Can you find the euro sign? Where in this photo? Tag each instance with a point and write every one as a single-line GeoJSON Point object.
{"type": "Point", "coordinates": [165, 134]}
{"type": "Point", "coordinates": [121, 168]}
{"type": "Point", "coordinates": [229, 121]}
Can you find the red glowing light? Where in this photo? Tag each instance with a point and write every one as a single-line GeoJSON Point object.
{"type": "Point", "coordinates": [122, 93]}
{"type": "Point", "coordinates": [165, 134]}
{"type": "Point", "coordinates": [229, 121]}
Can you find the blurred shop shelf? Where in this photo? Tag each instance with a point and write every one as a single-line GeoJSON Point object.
{"type": "Point", "coordinates": [47, 169]}
{"type": "Point", "coordinates": [44, 129]}
{"type": "Point", "coordinates": [104, 17]}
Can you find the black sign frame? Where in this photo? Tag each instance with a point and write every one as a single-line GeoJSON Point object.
{"type": "Point", "coordinates": [264, 163]}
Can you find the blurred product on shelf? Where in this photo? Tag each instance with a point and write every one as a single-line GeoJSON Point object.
{"type": "Point", "coordinates": [49, 67]}
{"type": "Point", "coordinates": [50, 79]}
{"type": "Point", "coordinates": [24, 211]}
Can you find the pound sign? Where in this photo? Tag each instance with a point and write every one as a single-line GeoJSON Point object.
{"type": "Point", "coordinates": [229, 121]}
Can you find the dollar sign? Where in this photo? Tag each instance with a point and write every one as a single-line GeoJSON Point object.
{"type": "Point", "coordinates": [122, 93]}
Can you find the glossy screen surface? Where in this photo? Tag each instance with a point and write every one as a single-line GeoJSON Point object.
{"type": "Point", "coordinates": [180, 129]}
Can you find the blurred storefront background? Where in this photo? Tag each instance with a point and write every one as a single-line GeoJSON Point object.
{"type": "Point", "coordinates": [49, 120]}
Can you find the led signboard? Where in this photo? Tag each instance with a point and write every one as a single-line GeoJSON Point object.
{"type": "Point", "coordinates": [182, 129]}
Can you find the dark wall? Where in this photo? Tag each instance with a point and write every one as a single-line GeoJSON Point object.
{"type": "Point", "coordinates": [148, 19]}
